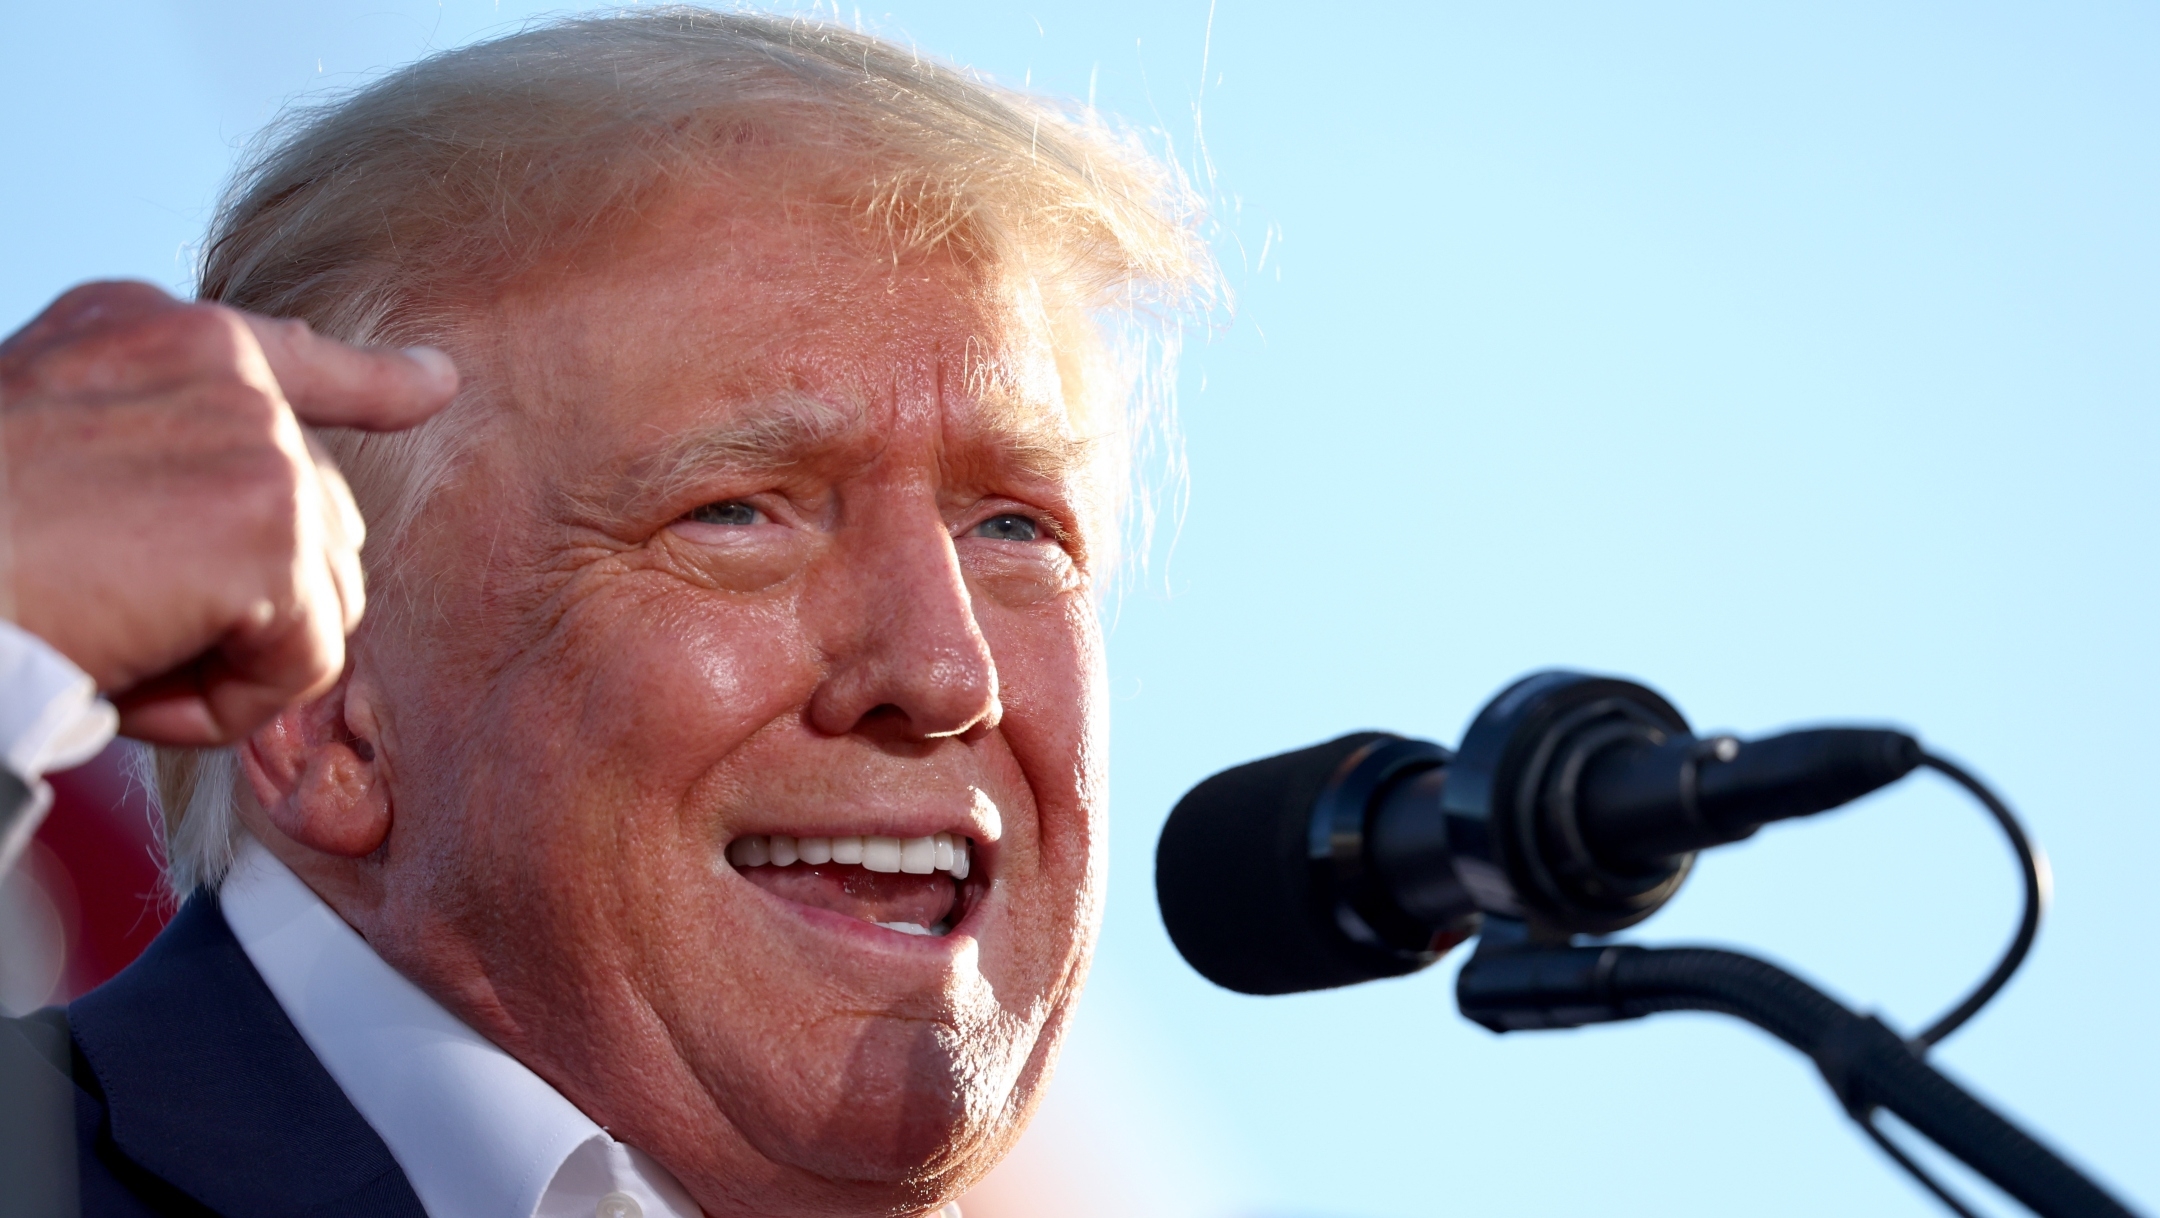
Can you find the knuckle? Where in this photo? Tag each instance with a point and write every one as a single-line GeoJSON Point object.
{"type": "Point", "coordinates": [268, 490]}
{"type": "Point", "coordinates": [241, 401]}
{"type": "Point", "coordinates": [279, 483]}
{"type": "Point", "coordinates": [102, 296]}
{"type": "Point", "coordinates": [211, 332]}
{"type": "Point", "coordinates": [194, 342]}
{"type": "Point", "coordinates": [288, 329]}
{"type": "Point", "coordinates": [89, 337]}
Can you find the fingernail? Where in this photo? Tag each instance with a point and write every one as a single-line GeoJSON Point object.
{"type": "Point", "coordinates": [438, 364]}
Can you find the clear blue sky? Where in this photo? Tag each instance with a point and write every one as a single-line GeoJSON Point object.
{"type": "Point", "coordinates": [1800, 359]}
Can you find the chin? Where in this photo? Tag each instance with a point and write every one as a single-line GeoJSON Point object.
{"type": "Point", "coordinates": [909, 1114]}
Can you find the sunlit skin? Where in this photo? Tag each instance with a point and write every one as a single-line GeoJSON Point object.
{"type": "Point", "coordinates": [765, 534]}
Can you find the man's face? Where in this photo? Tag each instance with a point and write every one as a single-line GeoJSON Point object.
{"type": "Point", "coordinates": [770, 539]}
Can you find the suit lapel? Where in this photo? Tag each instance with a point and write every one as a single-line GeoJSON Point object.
{"type": "Point", "coordinates": [209, 1086]}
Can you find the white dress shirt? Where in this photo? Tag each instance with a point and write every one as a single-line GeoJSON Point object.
{"type": "Point", "coordinates": [51, 718]}
{"type": "Point", "coordinates": [478, 1134]}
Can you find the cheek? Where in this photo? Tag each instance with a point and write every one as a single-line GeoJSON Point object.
{"type": "Point", "coordinates": [1051, 682]}
{"type": "Point", "coordinates": [595, 766]}
{"type": "Point", "coordinates": [685, 682]}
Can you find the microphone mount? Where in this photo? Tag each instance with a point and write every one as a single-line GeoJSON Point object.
{"type": "Point", "coordinates": [1575, 805]}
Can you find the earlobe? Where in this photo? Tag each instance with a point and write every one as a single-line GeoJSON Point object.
{"type": "Point", "coordinates": [317, 781]}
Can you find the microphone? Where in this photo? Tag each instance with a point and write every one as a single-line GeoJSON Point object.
{"type": "Point", "coordinates": [1575, 805]}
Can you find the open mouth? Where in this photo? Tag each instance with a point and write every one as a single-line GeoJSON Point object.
{"type": "Point", "coordinates": [913, 885]}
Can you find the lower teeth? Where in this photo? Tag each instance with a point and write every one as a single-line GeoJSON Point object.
{"type": "Point", "coordinates": [911, 928]}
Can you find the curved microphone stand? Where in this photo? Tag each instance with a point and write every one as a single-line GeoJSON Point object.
{"type": "Point", "coordinates": [1513, 984]}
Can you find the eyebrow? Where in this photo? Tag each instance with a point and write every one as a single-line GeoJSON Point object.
{"type": "Point", "coordinates": [1025, 438]}
{"type": "Point", "coordinates": [778, 431]}
{"type": "Point", "coordinates": [767, 433]}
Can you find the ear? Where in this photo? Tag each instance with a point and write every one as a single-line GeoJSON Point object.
{"type": "Point", "coordinates": [318, 776]}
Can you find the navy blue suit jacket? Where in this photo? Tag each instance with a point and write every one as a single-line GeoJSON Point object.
{"type": "Point", "coordinates": [195, 1095]}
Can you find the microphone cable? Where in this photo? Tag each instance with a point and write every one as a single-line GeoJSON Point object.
{"type": "Point", "coordinates": [2032, 867]}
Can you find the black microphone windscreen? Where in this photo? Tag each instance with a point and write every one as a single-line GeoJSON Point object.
{"type": "Point", "coordinates": [1234, 877]}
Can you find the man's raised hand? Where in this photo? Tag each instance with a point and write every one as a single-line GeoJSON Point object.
{"type": "Point", "coordinates": [175, 532]}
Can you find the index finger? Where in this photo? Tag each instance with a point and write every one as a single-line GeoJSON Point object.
{"type": "Point", "coordinates": [334, 384]}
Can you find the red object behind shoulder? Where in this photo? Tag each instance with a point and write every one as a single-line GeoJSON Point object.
{"type": "Point", "coordinates": [102, 832]}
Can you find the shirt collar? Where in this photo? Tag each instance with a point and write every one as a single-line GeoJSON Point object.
{"type": "Point", "coordinates": [477, 1133]}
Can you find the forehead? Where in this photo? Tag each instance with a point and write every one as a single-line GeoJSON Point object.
{"type": "Point", "coordinates": [784, 321]}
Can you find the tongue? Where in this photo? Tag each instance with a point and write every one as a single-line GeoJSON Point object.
{"type": "Point", "coordinates": [873, 896]}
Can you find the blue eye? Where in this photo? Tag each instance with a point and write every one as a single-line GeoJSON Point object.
{"type": "Point", "coordinates": [734, 511]}
{"type": "Point", "coordinates": [1009, 527]}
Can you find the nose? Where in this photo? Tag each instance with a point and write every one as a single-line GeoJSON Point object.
{"type": "Point", "coordinates": [905, 656]}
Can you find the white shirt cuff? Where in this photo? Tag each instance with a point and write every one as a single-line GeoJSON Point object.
{"type": "Point", "coordinates": [51, 717]}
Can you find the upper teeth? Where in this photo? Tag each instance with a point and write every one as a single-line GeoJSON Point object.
{"type": "Point", "coordinates": [912, 855]}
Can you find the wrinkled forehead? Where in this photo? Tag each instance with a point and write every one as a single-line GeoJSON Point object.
{"type": "Point", "coordinates": [734, 332]}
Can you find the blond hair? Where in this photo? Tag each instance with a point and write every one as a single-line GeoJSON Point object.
{"type": "Point", "coordinates": [373, 216]}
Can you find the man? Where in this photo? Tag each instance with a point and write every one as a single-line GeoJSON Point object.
{"type": "Point", "coordinates": [707, 817]}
